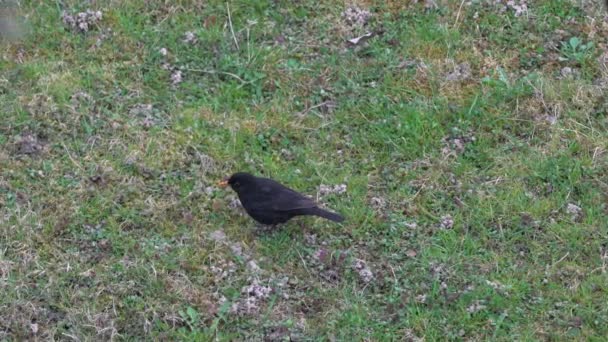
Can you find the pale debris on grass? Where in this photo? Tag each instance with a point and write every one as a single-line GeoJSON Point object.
{"type": "Point", "coordinates": [209, 190]}
{"type": "Point", "coordinates": [496, 285]}
{"type": "Point", "coordinates": [365, 274]}
{"type": "Point", "coordinates": [410, 336]}
{"type": "Point", "coordinates": [43, 104]}
{"type": "Point", "coordinates": [82, 20]}
{"type": "Point", "coordinates": [223, 270]}
{"type": "Point", "coordinates": [461, 72]}
{"type": "Point", "coordinates": [575, 211]}
{"type": "Point", "coordinates": [476, 306]}
{"type": "Point", "coordinates": [456, 145]}
{"type": "Point", "coordinates": [321, 255]}
{"type": "Point", "coordinates": [411, 225]}
{"type": "Point", "coordinates": [378, 203]}
{"type": "Point", "coordinates": [520, 7]}
{"type": "Point", "coordinates": [80, 97]}
{"type": "Point", "coordinates": [430, 4]}
{"type": "Point", "coordinates": [218, 236]}
{"type": "Point", "coordinates": [28, 143]}
{"type": "Point", "coordinates": [411, 63]}
{"type": "Point", "coordinates": [190, 38]}
{"type": "Point", "coordinates": [602, 59]}
{"type": "Point", "coordinates": [255, 294]}
{"type": "Point", "coordinates": [421, 298]}
{"type": "Point", "coordinates": [104, 35]}
{"type": "Point", "coordinates": [235, 204]}
{"type": "Point", "coordinates": [176, 77]}
{"type": "Point", "coordinates": [207, 164]}
{"type": "Point", "coordinates": [551, 119]}
{"type": "Point", "coordinates": [329, 189]}
{"type": "Point", "coordinates": [447, 222]}
{"type": "Point", "coordinates": [310, 239]}
{"type": "Point", "coordinates": [286, 154]}
{"type": "Point", "coordinates": [141, 109]}
{"type": "Point", "coordinates": [356, 16]}
{"type": "Point", "coordinates": [253, 267]}
{"type": "Point", "coordinates": [568, 71]}
{"type": "Point", "coordinates": [146, 113]}
{"type": "Point", "coordinates": [438, 270]}
{"type": "Point", "coordinates": [237, 249]}
{"type": "Point", "coordinates": [6, 267]}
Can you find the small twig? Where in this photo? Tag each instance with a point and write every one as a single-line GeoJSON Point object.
{"type": "Point", "coordinates": [560, 260]}
{"type": "Point", "coordinates": [71, 336]}
{"type": "Point", "coordinates": [213, 72]}
{"type": "Point", "coordinates": [394, 275]}
{"type": "Point", "coordinates": [304, 263]}
{"type": "Point", "coordinates": [602, 268]}
{"type": "Point", "coordinates": [457, 23]}
{"type": "Point", "coordinates": [494, 181]}
{"type": "Point", "coordinates": [72, 159]}
{"type": "Point", "coordinates": [595, 154]}
{"type": "Point", "coordinates": [305, 111]}
{"type": "Point", "coordinates": [231, 28]}
{"type": "Point", "coordinates": [428, 214]}
{"type": "Point", "coordinates": [249, 57]}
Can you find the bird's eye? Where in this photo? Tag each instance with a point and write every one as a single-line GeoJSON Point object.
{"type": "Point", "coordinates": [237, 184]}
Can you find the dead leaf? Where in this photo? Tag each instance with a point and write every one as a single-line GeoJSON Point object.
{"type": "Point", "coordinates": [210, 21]}
{"type": "Point", "coordinates": [360, 39]}
{"type": "Point", "coordinates": [216, 205]}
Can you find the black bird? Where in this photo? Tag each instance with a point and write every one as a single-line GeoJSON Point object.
{"type": "Point", "coordinates": [269, 202]}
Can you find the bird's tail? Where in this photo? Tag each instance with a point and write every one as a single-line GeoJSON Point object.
{"type": "Point", "coordinates": [326, 214]}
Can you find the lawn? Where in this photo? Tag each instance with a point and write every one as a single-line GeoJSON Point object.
{"type": "Point", "coordinates": [465, 142]}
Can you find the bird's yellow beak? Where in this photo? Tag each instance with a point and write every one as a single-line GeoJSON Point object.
{"type": "Point", "coordinates": [223, 183]}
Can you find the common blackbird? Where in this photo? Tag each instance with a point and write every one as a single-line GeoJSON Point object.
{"type": "Point", "coordinates": [269, 202]}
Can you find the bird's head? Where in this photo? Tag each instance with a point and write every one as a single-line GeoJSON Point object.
{"type": "Point", "coordinates": [238, 180]}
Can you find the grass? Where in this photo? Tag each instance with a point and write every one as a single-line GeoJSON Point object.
{"type": "Point", "coordinates": [472, 143]}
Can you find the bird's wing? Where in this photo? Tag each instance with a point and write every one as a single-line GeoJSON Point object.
{"type": "Point", "coordinates": [285, 199]}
